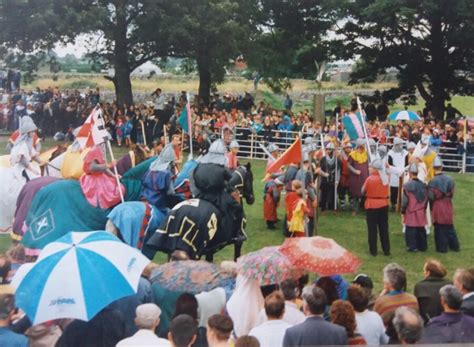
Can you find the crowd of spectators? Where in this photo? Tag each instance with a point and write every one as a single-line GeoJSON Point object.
{"type": "Point", "coordinates": [328, 311]}
{"type": "Point", "coordinates": [59, 112]}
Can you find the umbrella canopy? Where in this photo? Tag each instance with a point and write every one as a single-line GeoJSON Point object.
{"type": "Point", "coordinates": [77, 276]}
{"type": "Point", "coordinates": [268, 266]}
{"type": "Point", "coordinates": [319, 254]}
{"type": "Point", "coordinates": [191, 276]}
{"type": "Point", "coordinates": [404, 115]}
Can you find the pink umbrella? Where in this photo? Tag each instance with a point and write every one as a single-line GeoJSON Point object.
{"type": "Point", "coordinates": [319, 254]}
{"type": "Point", "coordinates": [267, 266]}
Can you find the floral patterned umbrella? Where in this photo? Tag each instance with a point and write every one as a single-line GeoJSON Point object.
{"type": "Point", "coordinates": [190, 276]}
{"type": "Point", "coordinates": [267, 266]}
{"type": "Point", "coordinates": [320, 255]}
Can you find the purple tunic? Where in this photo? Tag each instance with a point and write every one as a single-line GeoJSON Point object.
{"type": "Point", "coordinates": [357, 181]}
{"type": "Point", "coordinates": [414, 200]}
{"type": "Point", "coordinates": [441, 189]}
{"type": "Point", "coordinates": [124, 164]}
{"type": "Point", "coordinates": [25, 198]}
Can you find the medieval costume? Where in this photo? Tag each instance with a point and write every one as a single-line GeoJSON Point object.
{"type": "Point", "coordinates": [232, 161]}
{"type": "Point", "coordinates": [273, 151]}
{"type": "Point", "coordinates": [307, 178]}
{"type": "Point", "coordinates": [428, 156]}
{"type": "Point", "coordinates": [158, 181]}
{"type": "Point", "coordinates": [376, 208]}
{"type": "Point", "coordinates": [440, 193]}
{"type": "Point", "coordinates": [271, 199]}
{"type": "Point", "coordinates": [343, 186]}
{"type": "Point", "coordinates": [98, 183]}
{"type": "Point", "coordinates": [397, 160]}
{"type": "Point", "coordinates": [330, 177]}
{"type": "Point", "coordinates": [296, 225]}
{"type": "Point", "coordinates": [414, 201]}
{"type": "Point", "coordinates": [359, 171]}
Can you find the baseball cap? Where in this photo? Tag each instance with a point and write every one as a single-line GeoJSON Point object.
{"type": "Point", "coordinates": [364, 281]}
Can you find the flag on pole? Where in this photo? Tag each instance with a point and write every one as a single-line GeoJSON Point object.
{"type": "Point", "coordinates": [185, 118]}
{"type": "Point", "coordinates": [353, 124]}
{"type": "Point", "coordinates": [92, 132]}
{"type": "Point", "coordinates": [292, 155]}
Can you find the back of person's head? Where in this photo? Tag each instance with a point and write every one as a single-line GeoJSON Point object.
{"type": "Point", "coordinates": [220, 326]}
{"type": "Point", "coordinates": [5, 267]}
{"type": "Point", "coordinates": [467, 280]}
{"type": "Point", "coordinates": [7, 305]}
{"type": "Point", "coordinates": [275, 305]}
{"type": "Point", "coordinates": [408, 325]}
{"type": "Point", "coordinates": [183, 330]}
{"type": "Point", "coordinates": [179, 255]}
{"type": "Point", "coordinates": [358, 297]}
{"type": "Point", "coordinates": [247, 341]}
{"type": "Point", "coordinates": [187, 304]}
{"type": "Point", "coordinates": [395, 276]}
{"type": "Point", "coordinates": [296, 184]}
{"type": "Point", "coordinates": [330, 288]}
{"type": "Point", "coordinates": [435, 268]}
{"type": "Point", "coordinates": [315, 300]}
{"type": "Point", "coordinates": [147, 316]}
{"type": "Point", "coordinates": [342, 313]}
{"type": "Point", "coordinates": [451, 297]}
{"type": "Point", "coordinates": [289, 288]}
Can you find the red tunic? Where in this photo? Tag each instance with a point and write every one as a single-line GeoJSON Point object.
{"type": "Point", "coordinates": [291, 200]}
{"type": "Point", "coordinates": [376, 193]}
{"type": "Point", "coordinates": [270, 205]}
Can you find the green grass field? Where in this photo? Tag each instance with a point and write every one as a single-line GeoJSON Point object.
{"type": "Point", "coordinates": [351, 232]}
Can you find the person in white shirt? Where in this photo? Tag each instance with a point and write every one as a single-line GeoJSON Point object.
{"type": "Point", "coordinates": [369, 324]}
{"type": "Point", "coordinates": [293, 314]}
{"type": "Point", "coordinates": [271, 332]}
{"type": "Point", "coordinates": [219, 328]}
{"type": "Point", "coordinates": [147, 319]}
{"type": "Point", "coordinates": [159, 100]}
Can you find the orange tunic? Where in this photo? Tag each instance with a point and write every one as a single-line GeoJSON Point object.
{"type": "Point", "coordinates": [377, 194]}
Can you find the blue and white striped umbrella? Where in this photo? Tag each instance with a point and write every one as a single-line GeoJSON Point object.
{"type": "Point", "coordinates": [404, 115]}
{"type": "Point", "coordinates": [77, 276]}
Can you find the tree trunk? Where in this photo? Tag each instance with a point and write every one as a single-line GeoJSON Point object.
{"type": "Point", "coordinates": [204, 82]}
{"type": "Point", "coordinates": [122, 83]}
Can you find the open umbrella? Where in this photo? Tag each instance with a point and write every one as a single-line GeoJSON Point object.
{"type": "Point", "coordinates": [77, 276]}
{"type": "Point", "coordinates": [191, 276]}
{"type": "Point", "coordinates": [268, 266]}
{"type": "Point", "coordinates": [319, 254]}
{"type": "Point", "coordinates": [404, 115]}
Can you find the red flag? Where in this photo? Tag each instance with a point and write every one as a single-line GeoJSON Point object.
{"type": "Point", "coordinates": [92, 131]}
{"type": "Point", "coordinates": [291, 155]}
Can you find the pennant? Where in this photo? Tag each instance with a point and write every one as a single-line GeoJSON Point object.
{"type": "Point", "coordinates": [292, 155]}
{"type": "Point", "coordinates": [92, 132]}
{"type": "Point", "coordinates": [353, 124]}
{"type": "Point", "coordinates": [185, 118]}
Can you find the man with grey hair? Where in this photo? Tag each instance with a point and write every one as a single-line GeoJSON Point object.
{"type": "Point", "coordinates": [314, 331]}
{"type": "Point", "coordinates": [394, 295]}
{"type": "Point", "coordinates": [408, 325]}
{"type": "Point", "coordinates": [464, 281]}
{"type": "Point", "coordinates": [147, 319]}
{"type": "Point", "coordinates": [452, 326]}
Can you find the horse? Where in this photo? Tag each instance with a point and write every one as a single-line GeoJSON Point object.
{"type": "Point", "coordinates": [199, 228]}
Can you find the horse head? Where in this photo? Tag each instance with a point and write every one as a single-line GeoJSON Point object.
{"type": "Point", "coordinates": [242, 179]}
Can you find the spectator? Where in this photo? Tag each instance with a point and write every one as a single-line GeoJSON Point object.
{"type": "Point", "coordinates": [288, 103]}
{"type": "Point", "coordinates": [247, 341]}
{"type": "Point", "coordinates": [314, 330]}
{"type": "Point", "coordinates": [393, 295]}
{"type": "Point", "coordinates": [271, 332]}
{"type": "Point", "coordinates": [342, 313]}
{"type": "Point", "coordinates": [452, 326]}
{"type": "Point", "coordinates": [291, 292]}
{"type": "Point", "coordinates": [183, 330]}
{"type": "Point", "coordinates": [408, 324]}
{"type": "Point", "coordinates": [365, 282]}
{"type": "Point", "coordinates": [464, 281]}
{"type": "Point", "coordinates": [219, 328]}
{"type": "Point", "coordinates": [369, 324]}
{"type": "Point", "coordinates": [451, 113]}
{"type": "Point", "coordinates": [427, 290]}
{"type": "Point", "coordinates": [147, 319]}
{"type": "Point", "coordinates": [7, 310]}
{"type": "Point", "coordinates": [187, 304]}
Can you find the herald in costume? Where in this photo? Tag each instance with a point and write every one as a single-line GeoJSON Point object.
{"type": "Point", "coordinates": [397, 161]}
{"type": "Point", "coordinates": [414, 201]}
{"type": "Point", "coordinates": [359, 171]}
{"type": "Point", "coordinates": [98, 183]}
{"type": "Point", "coordinates": [271, 199]}
{"type": "Point", "coordinates": [440, 193]}
{"type": "Point", "coordinates": [343, 186]}
{"type": "Point", "coordinates": [376, 193]}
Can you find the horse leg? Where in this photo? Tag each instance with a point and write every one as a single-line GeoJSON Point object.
{"type": "Point", "coordinates": [237, 249]}
{"type": "Point", "coordinates": [210, 257]}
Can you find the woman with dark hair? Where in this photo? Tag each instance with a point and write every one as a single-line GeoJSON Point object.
{"type": "Point", "coordinates": [342, 313]}
{"type": "Point", "coordinates": [188, 304]}
{"type": "Point", "coordinates": [329, 286]}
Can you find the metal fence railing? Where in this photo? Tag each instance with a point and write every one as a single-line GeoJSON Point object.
{"type": "Point", "coordinates": [250, 147]}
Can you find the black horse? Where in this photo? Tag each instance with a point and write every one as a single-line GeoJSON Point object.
{"type": "Point", "coordinates": [199, 227]}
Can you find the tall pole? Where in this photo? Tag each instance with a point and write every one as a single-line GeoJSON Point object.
{"type": "Point", "coordinates": [464, 155]}
{"type": "Point", "coordinates": [335, 173]}
{"type": "Point", "coordinates": [190, 126]}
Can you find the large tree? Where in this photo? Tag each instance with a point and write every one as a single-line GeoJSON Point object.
{"type": "Point", "coordinates": [429, 43]}
{"type": "Point", "coordinates": [210, 32]}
